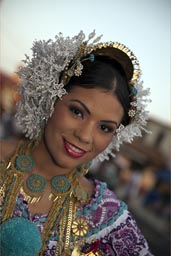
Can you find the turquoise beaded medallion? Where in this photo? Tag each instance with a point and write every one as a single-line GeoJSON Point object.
{"type": "Point", "coordinates": [36, 183]}
{"type": "Point", "coordinates": [24, 163]}
{"type": "Point", "coordinates": [60, 184]}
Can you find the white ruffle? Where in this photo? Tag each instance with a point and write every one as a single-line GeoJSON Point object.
{"type": "Point", "coordinates": [107, 230]}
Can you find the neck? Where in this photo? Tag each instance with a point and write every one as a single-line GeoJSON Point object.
{"type": "Point", "coordinates": [44, 162]}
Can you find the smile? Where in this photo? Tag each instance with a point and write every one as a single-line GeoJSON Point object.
{"type": "Point", "coordinates": [73, 151]}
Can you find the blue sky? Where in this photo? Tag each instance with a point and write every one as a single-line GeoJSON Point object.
{"type": "Point", "coordinates": [144, 26]}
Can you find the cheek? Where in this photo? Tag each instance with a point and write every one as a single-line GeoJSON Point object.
{"type": "Point", "coordinates": [59, 120]}
{"type": "Point", "coordinates": [102, 142]}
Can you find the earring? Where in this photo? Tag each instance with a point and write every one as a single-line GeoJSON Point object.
{"type": "Point", "coordinates": [41, 132]}
{"type": "Point", "coordinates": [83, 169]}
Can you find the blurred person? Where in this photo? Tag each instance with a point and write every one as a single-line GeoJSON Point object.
{"type": "Point", "coordinates": [148, 180]}
{"type": "Point", "coordinates": [2, 131]}
{"type": "Point", "coordinates": [107, 172]}
{"type": "Point", "coordinates": [7, 128]}
{"type": "Point", "coordinates": [130, 182]}
{"type": "Point", "coordinates": [158, 197]}
{"type": "Point", "coordinates": [80, 101]}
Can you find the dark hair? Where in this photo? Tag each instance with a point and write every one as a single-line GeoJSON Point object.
{"type": "Point", "coordinates": [107, 74]}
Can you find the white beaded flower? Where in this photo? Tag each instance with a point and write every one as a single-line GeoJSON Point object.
{"type": "Point", "coordinates": [126, 134]}
{"type": "Point", "coordinates": [40, 79]}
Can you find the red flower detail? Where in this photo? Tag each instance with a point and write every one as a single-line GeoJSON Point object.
{"type": "Point", "coordinates": [95, 247]}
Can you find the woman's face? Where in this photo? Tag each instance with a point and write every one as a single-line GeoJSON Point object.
{"type": "Point", "coordinates": [82, 126]}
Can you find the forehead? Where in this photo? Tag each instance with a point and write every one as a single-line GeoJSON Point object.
{"type": "Point", "coordinates": [97, 101]}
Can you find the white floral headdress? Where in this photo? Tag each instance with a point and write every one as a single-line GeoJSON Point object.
{"type": "Point", "coordinates": [53, 63]}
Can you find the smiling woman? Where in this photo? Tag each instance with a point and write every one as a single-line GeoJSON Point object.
{"type": "Point", "coordinates": [86, 129]}
{"type": "Point", "coordinates": [79, 102]}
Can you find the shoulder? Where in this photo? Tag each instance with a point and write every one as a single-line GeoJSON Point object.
{"type": "Point", "coordinates": [104, 208]}
{"type": "Point", "coordinates": [105, 197]}
{"type": "Point", "coordinates": [112, 222]}
{"type": "Point", "coordinates": [7, 149]}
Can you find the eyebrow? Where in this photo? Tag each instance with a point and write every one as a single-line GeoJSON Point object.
{"type": "Point", "coordinates": [88, 111]}
{"type": "Point", "coordinates": [83, 105]}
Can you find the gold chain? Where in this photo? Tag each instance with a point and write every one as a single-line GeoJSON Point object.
{"type": "Point", "coordinates": [17, 180]}
{"type": "Point", "coordinates": [69, 224]}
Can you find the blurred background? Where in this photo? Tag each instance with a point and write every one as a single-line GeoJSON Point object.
{"type": "Point", "coordinates": [140, 173]}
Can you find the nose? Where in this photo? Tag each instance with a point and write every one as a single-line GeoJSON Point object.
{"type": "Point", "coordinates": [85, 133]}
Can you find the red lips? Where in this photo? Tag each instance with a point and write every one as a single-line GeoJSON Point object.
{"type": "Point", "coordinates": [73, 150]}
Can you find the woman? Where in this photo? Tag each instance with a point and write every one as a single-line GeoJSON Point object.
{"type": "Point", "coordinates": [78, 102]}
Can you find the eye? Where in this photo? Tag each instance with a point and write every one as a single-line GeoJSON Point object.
{"type": "Point", "coordinates": [107, 129]}
{"type": "Point", "coordinates": [76, 111]}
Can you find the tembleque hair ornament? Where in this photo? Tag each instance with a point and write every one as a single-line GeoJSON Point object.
{"type": "Point", "coordinates": [53, 63]}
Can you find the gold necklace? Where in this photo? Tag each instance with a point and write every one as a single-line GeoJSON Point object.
{"type": "Point", "coordinates": [34, 186]}
{"type": "Point", "coordinates": [62, 215]}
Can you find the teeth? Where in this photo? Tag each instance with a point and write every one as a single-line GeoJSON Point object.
{"type": "Point", "coordinates": [75, 149]}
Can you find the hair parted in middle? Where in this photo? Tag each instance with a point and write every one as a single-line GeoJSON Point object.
{"type": "Point", "coordinates": [105, 74]}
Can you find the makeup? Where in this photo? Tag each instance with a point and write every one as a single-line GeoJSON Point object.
{"type": "Point", "coordinates": [72, 150]}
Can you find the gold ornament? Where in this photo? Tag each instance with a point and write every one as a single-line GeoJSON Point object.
{"type": "Point", "coordinates": [79, 227]}
{"type": "Point", "coordinates": [81, 195]}
{"type": "Point", "coordinates": [2, 193]}
{"type": "Point", "coordinates": [76, 252]}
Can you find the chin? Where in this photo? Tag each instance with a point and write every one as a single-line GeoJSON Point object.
{"type": "Point", "coordinates": [65, 163]}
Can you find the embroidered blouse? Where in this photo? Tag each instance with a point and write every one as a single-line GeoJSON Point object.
{"type": "Point", "coordinates": [112, 229]}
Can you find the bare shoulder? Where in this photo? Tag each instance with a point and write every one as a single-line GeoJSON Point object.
{"type": "Point", "coordinates": [7, 149]}
{"type": "Point", "coordinates": [86, 184]}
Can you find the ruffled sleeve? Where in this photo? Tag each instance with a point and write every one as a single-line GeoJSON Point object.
{"type": "Point", "coordinates": [125, 238]}
{"type": "Point", "coordinates": [112, 229]}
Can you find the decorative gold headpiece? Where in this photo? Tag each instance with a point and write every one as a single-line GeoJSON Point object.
{"type": "Point", "coordinates": [119, 52]}
{"type": "Point", "coordinates": [114, 50]}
